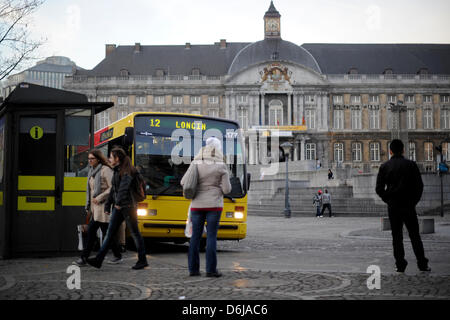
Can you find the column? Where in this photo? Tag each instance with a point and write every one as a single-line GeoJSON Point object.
{"type": "Point", "coordinates": [295, 122]}
{"type": "Point", "coordinates": [227, 106]}
{"type": "Point", "coordinates": [301, 98]}
{"type": "Point", "coordinates": [256, 109]}
{"type": "Point", "coordinates": [233, 107]}
{"type": "Point", "coordinates": [325, 111]}
{"type": "Point", "coordinates": [302, 150]}
{"type": "Point", "coordinates": [251, 111]}
{"type": "Point", "coordinates": [319, 111]}
{"type": "Point", "coordinates": [263, 109]}
{"type": "Point", "coordinates": [295, 150]}
{"type": "Point", "coordinates": [289, 110]}
{"type": "Point", "coordinates": [252, 148]}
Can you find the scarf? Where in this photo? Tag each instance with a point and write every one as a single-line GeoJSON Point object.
{"type": "Point", "coordinates": [97, 184]}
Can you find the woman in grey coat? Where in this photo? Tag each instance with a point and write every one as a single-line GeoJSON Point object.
{"type": "Point", "coordinates": [213, 183]}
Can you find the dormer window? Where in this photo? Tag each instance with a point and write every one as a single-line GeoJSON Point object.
{"type": "Point", "coordinates": [388, 71]}
{"type": "Point", "coordinates": [195, 72]}
{"type": "Point", "coordinates": [124, 73]}
{"type": "Point", "coordinates": [422, 71]}
{"type": "Point", "coordinates": [353, 71]}
{"type": "Point", "coordinates": [159, 72]}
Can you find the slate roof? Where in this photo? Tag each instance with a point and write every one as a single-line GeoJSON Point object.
{"type": "Point", "coordinates": [174, 60]}
{"type": "Point", "coordinates": [325, 58]}
{"type": "Point", "coordinates": [375, 58]}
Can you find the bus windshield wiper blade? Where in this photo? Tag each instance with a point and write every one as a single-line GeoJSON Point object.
{"type": "Point", "coordinates": [154, 196]}
{"type": "Point", "coordinates": [229, 197]}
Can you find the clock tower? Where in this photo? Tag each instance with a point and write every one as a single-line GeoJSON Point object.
{"type": "Point", "coordinates": [272, 23]}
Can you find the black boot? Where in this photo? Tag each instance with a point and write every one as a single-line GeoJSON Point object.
{"type": "Point", "coordinates": [140, 265]}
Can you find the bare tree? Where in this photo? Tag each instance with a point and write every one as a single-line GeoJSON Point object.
{"type": "Point", "coordinates": [16, 43]}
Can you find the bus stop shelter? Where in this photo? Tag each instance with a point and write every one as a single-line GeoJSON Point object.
{"type": "Point", "coordinates": [45, 136]}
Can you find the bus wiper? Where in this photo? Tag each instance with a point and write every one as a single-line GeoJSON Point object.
{"type": "Point", "coordinates": [154, 196]}
{"type": "Point", "coordinates": [230, 197]}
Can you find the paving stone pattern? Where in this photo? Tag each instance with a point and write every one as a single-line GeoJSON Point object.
{"type": "Point", "coordinates": [276, 267]}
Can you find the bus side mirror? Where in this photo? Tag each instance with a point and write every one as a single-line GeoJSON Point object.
{"type": "Point", "coordinates": [249, 175]}
{"type": "Point", "coordinates": [128, 137]}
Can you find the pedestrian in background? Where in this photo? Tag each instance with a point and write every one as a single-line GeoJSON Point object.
{"type": "Point", "coordinates": [97, 192]}
{"type": "Point", "coordinates": [330, 174]}
{"type": "Point", "coordinates": [207, 204]}
{"type": "Point", "coordinates": [123, 208]}
{"type": "Point", "coordinates": [399, 184]}
{"type": "Point", "coordinates": [326, 203]}
{"type": "Point", "coordinates": [317, 202]}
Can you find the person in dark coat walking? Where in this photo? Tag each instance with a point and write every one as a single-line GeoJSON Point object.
{"type": "Point", "coordinates": [123, 208]}
{"type": "Point", "coordinates": [399, 184]}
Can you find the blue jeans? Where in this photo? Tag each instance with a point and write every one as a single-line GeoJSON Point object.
{"type": "Point", "coordinates": [318, 212]}
{"type": "Point", "coordinates": [117, 217]}
{"type": "Point", "coordinates": [198, 221]}
{"type": "Point", "coordinates": [92, 236]}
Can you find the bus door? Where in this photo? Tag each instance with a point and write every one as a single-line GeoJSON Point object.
{"type": "Point", "coordinates": [36, 218]}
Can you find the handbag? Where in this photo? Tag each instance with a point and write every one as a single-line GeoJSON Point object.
{"type": "Point", "coordinates": [188, 229]}
{"type": "Point", "coordinates": [190, 180]}
{"type": "Point", "coordinates": [82, 231]}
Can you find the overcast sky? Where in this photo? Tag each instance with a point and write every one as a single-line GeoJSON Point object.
{"type": "Point", "coordinates": [79, 29]}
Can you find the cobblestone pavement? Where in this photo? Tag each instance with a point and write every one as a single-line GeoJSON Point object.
{"type": "Point", "coordinates": [281, 259]}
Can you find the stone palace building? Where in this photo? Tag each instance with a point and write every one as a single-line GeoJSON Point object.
{"type": "Point", "coordinates": [331, 101]}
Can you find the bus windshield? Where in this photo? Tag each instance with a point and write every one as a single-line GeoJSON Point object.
{"type": "Point", "coordinates": [166, 144]}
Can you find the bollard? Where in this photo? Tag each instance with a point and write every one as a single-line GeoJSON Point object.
{"type": "Point", "coordinates": [385, 224]}
{"type": "Point", "coordinates": [426, 225]}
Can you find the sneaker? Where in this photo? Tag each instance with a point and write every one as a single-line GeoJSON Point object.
{"type": "Point", "coordinates": [94, 262]}
{"type": "Point", "coordinates": [216, 274]}
{"type": "Point", "coordinates": [321, 216]}
{"type": "Point", "coordinates": [140, 265]}
{"type": "Point", "coordinates": [194, 274]}
{"type": "Point", "coordinates": [115, 260]}
{"type": "Point", "coordinates": [80, 262]}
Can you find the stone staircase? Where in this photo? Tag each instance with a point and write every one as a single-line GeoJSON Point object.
{"type": "Point", "coordinates": [267, 198]}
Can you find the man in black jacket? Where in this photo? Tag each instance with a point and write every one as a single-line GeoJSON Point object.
{"type": "Point", "coordinates": [400, 185]}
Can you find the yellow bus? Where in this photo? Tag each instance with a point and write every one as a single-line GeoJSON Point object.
{"type": "Point", "coordinates": [161, 146]}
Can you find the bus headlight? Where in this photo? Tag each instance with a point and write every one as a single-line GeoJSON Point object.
{"type": "Point", "coordinates": [239, 212]}
{"type": "Point", "coordinates": [142, 212]}
{"type": "Point", "coordinates": [239, 215]}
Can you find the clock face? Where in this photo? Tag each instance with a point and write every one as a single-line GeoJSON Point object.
{"type": "Point", "coordinates": [272, 25]}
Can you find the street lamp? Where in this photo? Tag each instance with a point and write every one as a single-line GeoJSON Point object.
{"type": "Point", "coordinates": [442, 169]}
{"type": "Point", "coordinates": [287, 150]}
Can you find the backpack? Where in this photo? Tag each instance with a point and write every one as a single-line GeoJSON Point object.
{"type": "Point", "coordinates": [138, 186]}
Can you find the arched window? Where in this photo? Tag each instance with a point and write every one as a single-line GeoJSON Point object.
{"type": "Point", "coordinates": [195, 72]}
{"type": "Point", "coordinates": [276, 113]}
